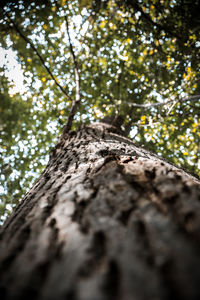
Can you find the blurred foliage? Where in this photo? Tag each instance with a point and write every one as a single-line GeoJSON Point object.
{"type": "Point", "coordinates": [129, 53]}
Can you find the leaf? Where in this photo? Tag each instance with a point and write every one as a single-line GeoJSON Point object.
{"type": "Point", "coordinates": [103, 24]}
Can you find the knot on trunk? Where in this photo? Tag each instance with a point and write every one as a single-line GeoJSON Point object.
{"type": "Point", "coordinates": [106, 127]}
{"type": "Point", "coordinates": [111, 123]}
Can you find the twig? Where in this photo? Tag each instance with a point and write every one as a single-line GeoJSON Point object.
{"type": "Point", "coordinates": [39, 55]}
{"type": "Point", "coordinates": [149, 105]}
{"type": "Point", "coordinates": [119, 86]}
{"type": "Point", "coordinates": [172, 106]}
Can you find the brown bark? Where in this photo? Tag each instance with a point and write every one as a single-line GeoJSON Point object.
{"type": "Point", "coordinates": [106, 220]}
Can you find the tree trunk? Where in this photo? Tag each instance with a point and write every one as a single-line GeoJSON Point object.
{"type": "Point", "coordinates": [106, 220]}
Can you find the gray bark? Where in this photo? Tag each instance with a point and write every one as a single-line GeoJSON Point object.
{"type": "Point", "coordinates": [106, 220]}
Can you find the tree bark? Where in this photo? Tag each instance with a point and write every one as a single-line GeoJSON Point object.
{"type": "Point", "coordinates": [106, 220]}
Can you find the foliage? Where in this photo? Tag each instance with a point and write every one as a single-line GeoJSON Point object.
{"type": "Point", "coordinates": [132, 56]}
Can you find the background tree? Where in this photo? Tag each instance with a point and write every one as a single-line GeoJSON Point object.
{"type": "Point", "coordinates": [85, 60]}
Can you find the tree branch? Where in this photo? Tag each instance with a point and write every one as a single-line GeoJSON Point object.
{"type": "Point", "coordinates": [38, 54]}
{"type": "Point", "coordinates": [76, 102]}
{"type": "Point", "coordinates": [149, 105]}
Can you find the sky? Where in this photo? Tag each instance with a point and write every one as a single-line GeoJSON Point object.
{"type": "Point", "coordinates": [13, 71]}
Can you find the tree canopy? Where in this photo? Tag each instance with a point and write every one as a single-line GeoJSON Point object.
{"type": "Point", "coordinates": [85, 60]}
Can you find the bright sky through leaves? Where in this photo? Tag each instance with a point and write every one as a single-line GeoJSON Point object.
{"type": "Point", "coordinates": [14, 72]}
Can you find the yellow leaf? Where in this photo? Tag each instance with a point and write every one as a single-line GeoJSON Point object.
{"type": "Point", "coordinates": [45, 26]}
{"type": "Point", "coordinates": [112, 26]}
{"type": "Point", "coordinates": [43, 79]}
{"type": "Point", "coordinates": [53, 8]}
{"type": "Point", "coordinates": [103, 61]}
{"type": "Point", "coordinates": [29, 59]}
{"type": "Point", "coordinates": [140, 59]}
{"type": "Point", "coordinates": [164, 127]}
{"type": "Point", "coordinates": [143, 118]}
{"type": "Point", "coordinates": [151, 52]}
{"type": "Point", "coordinates": [192, 37]}
{"type": "Point", "coordinates": [128, 41]}
{"type": "Point", "coordinates": [102, 24]}
{"type": "Point", "coordinates": [145, 51]}
{"type": "Point", "coordinates": [131, 20]}
{"type": "Point", "coordinates": [62, 112]}
{"type": "Point", "coordinates": [185, 153]}
{"type": "Point", "coordinates": [182, 123]}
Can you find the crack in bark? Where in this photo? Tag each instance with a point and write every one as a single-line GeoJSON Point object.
{"type": "Point", "coordinates": [96, 254]}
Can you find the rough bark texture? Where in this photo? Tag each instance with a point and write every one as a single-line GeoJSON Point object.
{"type": "Point", "coordinates": [106, 220]}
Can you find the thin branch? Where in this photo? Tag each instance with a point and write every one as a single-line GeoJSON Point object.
{"type": "Point", "coordinates": [149, 105]}
{"type": "Point", "coordinates": [38, 54]}
{"type": "Point", "coordinates": [119, 81]}
{"type": "Point", "coordinates": [172, 106]}
{"type": "Point", "coordinates": [76, 102]}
